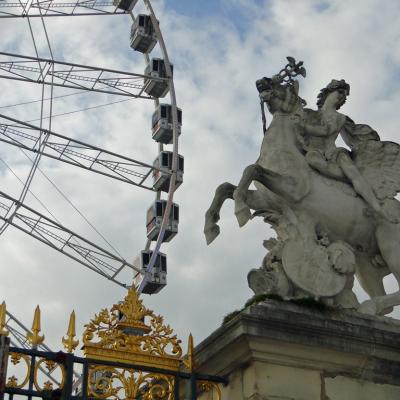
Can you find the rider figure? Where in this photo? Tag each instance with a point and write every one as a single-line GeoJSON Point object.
{"type": "Point", "coordinates": [320, 130]}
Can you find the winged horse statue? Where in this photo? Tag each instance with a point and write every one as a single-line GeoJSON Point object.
{"type": "Point", "coordinates": [333, 209]}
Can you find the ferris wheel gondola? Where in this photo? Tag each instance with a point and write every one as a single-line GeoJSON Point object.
{"type": "Point", "coordinates": [154, 82]}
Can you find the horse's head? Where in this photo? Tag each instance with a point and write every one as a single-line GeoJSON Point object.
{"type": "Point", "coordinates": [279, 96]}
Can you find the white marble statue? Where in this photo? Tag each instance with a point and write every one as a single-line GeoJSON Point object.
{"type": "Point", "coordinates": [333, 209]}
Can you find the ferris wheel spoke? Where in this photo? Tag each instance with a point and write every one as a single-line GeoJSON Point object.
{"type": "Point", "coordinates": [75, 152]}
{"type": "Point", "coordinates": [65, 241]}
{"type": "Point", "coordinates": [53, 8]}
{"type": "Point", "coordinates": [154, 83]}
{"type": "Point", "coordinates": [75, 76]}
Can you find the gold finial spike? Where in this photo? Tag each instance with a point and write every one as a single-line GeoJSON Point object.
{"type": "Point", "coordinates": [69, 342]}
{"type": "Point", "coordinates": [190, 354]}
{"type": "Point", "coordinates": [34, 338]}
{"type": "Point", "coordinates": [3, 330]}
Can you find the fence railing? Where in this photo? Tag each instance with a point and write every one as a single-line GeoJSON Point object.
{"type": "Point", "coordinates": [99, 379]}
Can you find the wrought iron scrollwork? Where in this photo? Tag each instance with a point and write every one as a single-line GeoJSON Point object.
{"type": "Point", "coordinates": [50, 366]}
{"type": "Point", "coordinates": [13, 381]}
{"type": "Point", "coordinates": [212, 387]}
{"type": "Point", "coordinates": [114, 383]}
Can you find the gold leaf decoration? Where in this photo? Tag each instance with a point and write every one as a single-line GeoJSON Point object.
{"type": "Point", "coordinates": [207, 386]}
{"type": "Point", "coordinates": [47, 385]}
{"type": "Point", "coordinates": [3, 313]}
{"type": "Point", "coordinates": [43, 364]}
{"type": "Point", "coordinates": [34, 337]}
{"type": "Point", "coordinates": [12, 382]}
{"type": "Point", "coordinates": [130, 332]}
{"type": "Point", "coordinates": [26, 369]}
{"type": "Point", "coordinates": [119, 383]}
{"type": "Point", "coordinates": [70, 344]}
{"type": "Point", "coordinates": [15, 358]}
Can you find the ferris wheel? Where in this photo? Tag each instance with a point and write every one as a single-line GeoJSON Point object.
{"type": "Point", "coordinates": [37, 140]}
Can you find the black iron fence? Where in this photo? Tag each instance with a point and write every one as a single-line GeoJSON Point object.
{"type": "Point", "coordinates": [98, 379]}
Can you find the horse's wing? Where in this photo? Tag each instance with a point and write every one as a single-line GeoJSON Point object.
{"type": "Point", "coordinates": [379, 163]}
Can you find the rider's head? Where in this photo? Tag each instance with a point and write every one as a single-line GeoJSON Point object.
{"type": "Point", "coordinates": [341, 87]}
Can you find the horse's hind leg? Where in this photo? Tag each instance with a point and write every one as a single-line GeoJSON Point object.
{"type": "Point", "coordinates": [211, 228]}
{"type": "Point", "coordinates": [387, 235]}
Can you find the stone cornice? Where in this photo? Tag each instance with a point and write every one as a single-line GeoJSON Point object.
{"type": "Point", "coordinates": [367, 346]}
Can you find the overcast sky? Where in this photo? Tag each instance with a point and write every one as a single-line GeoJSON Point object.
{"type": "Point", "coordinates": [219, 48]}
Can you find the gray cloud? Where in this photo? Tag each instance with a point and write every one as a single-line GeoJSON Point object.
{"type": "Point", "coordinates": [216, 66]}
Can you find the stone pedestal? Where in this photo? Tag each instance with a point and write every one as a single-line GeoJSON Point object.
{"type": "Point", "coordinates": [280, 351]}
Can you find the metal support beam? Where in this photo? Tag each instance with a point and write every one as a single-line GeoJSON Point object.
{"type": "Point", "coordinates": [73, 76]}
{"type": "Point", "coordinates": [63, 240]}
{"type": "Point", "coordinates": [75, 152]}
{"type": "Point", "coordinates": [54, 8]}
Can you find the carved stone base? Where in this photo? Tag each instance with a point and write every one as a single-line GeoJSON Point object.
{"type": "Point", "coordinates": [280, 351]}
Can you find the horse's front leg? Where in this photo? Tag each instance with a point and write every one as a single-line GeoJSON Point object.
{"type": "Point", "coordinates": [211, 228]}
{"type": "Point", "coordinates": [284, 186]}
